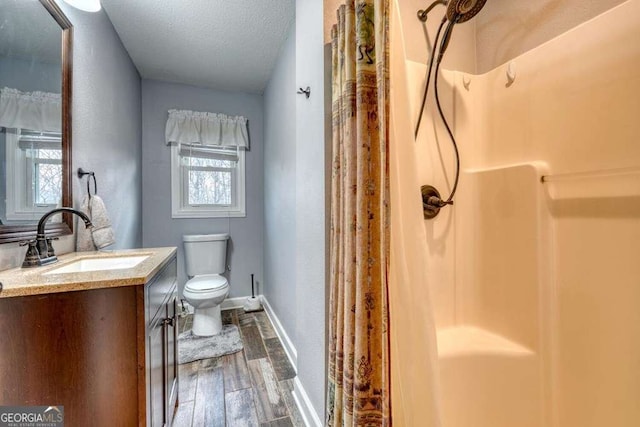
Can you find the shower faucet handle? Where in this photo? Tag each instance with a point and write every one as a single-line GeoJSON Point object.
{"type": "Point", "coordinates": [438, 202]}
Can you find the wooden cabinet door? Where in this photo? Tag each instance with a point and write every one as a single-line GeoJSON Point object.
{"type": "Point", "coordinates": [171, 353]}
{"type": "Point", "coordinates": [156, 348]}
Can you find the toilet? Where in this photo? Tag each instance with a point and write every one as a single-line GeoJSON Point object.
{"type": "Point", "coordinates": [205, 258]}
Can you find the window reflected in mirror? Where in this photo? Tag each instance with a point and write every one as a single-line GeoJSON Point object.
{"type": "Point", "coordinates": [34, 139]}
{"type": "Point", "coordinates": [34, 175]}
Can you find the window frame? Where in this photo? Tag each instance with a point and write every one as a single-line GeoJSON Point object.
{"type": "Point", "coordinates": [19, 181]}
{"type": "Point", "coordinates": [179, 191]}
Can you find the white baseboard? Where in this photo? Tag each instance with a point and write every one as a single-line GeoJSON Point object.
{"type": "Point", "coordinates": [289, 348]}
{"type": "Point", "coordinates": [307, 411]}
{"type": "Point", "coordinates": [309, 414]}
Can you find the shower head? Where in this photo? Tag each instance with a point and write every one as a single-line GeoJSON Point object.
{"type": "Point", "coordinates": [460, 11]}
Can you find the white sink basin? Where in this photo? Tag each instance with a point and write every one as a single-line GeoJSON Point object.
{"type": "Point", "coordinates": [100, 264]}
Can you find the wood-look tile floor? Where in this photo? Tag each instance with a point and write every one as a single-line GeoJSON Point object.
{"type": "Point", "coordinates": [249, 388]}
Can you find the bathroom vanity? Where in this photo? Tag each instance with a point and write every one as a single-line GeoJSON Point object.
{"type": "Point", "coordinates": [95, 333]}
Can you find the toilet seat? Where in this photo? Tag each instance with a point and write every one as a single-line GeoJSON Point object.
{"type": "Point", "coordinates": [206, 283]}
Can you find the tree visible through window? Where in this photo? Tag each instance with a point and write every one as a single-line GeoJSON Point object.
{"type": "Point", "coordinates": [47, 176]}
{"type": "Point", "coordinates": [207, 181]}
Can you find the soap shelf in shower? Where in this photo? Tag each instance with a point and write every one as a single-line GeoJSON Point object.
{"type": "Point", "coordinates": [604, 183]}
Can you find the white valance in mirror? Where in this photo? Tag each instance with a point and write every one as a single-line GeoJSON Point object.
{"type": "Point", "coordinates": [37, 111]}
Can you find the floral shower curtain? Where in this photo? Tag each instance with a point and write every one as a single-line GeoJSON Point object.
{"type": "Point", "coordinates": [359, 367]}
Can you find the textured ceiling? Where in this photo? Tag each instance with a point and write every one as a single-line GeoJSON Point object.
{"type": "Point", "coordinates": [28, 31]}
{"type": "Point", "coordinates": [220, 44]}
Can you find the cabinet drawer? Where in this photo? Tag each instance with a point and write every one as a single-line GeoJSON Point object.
{"type": "Point", "coordinates": [158, 289]}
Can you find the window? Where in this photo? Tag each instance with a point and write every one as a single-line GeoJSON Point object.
{"type": "Point", "coordinates": [207, 182]}
{"type": "Point", "coordinates": [34, 173]}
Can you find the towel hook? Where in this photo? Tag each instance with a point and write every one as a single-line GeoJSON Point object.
{"type": "Point", "coordinates": [306, 92]}
{"type": "Point", "coordinates": [82, 173]}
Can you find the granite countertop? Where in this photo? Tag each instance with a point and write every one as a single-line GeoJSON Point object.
{"type": "Point", "coordinates": [18, 282]}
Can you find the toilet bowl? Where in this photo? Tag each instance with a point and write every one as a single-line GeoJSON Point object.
{"type": "Point", "coordinates": [205, 293]}
{"type": "Point", "coordinates": [205, 260]}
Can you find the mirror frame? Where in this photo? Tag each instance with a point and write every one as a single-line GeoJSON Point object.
{"type": "Point", "coordinates": [17, 233]}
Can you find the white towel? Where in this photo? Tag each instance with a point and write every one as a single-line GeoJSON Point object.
{"type": "Point", "coordinates": [101, 235]}
{"type": "Point", "coordinates": [84, 241]}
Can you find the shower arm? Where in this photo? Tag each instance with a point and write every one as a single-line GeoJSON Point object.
{"type": "Point", "coordinates": [422, 14]}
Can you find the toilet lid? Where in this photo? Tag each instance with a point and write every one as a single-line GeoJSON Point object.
{"type": "Point", "coordinates": [206, 282]}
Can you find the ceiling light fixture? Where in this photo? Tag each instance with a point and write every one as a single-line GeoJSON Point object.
{"type": "Point", "coordinates": [86, 5]}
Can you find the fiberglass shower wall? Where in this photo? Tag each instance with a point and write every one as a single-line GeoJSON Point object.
{"type": "Point", "coordinates": [433, 151]}
{"type": "Point", "coordinates": [574, 108]}
{"type": "Point", "coordinates": [536, 287]}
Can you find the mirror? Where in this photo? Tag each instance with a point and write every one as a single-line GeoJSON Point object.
{"type": "Point", "coordinates": [35, 119]}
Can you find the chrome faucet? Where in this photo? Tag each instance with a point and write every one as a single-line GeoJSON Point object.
{"type": "Point", "coordinates": [40, 251]}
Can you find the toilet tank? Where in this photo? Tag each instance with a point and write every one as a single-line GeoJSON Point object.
{"type": "Point", "coordinates": [205, 253]}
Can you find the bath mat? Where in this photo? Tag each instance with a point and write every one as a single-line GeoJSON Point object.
{"type": "Point", "coordinates": [192, 347]}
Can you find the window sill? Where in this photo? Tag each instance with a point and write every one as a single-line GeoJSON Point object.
{"type": "Point", "coordinates": [208, 214]}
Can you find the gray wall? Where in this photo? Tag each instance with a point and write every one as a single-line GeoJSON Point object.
{"type": "Point", "coordinates": [296, 158]}
{"type": "Point", "coordinates": [107, 131]}
{"type": "Point", "coordinates": [30, 75]}
{"type": "Point", "coordinates": [295, 249]}
{"type": "Point", "coordinates": [310, 202]}
{"type": "Point", "coordinates": [106, 128]}
{"type": "Point", "coordinates": [280, 187]}
{"type": "Point", "coordinates": [159, 229]}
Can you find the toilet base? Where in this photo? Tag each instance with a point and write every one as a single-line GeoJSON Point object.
{"type": "Point", "coordinates": [207, 321]}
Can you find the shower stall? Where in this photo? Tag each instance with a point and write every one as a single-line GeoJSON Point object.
{"type": "Point", "coordinates": [529, 283]}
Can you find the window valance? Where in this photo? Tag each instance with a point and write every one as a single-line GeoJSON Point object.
{"type": "Point", "coordinates": [38, 111]}
{"type": "Point", "coordinates": [193, 127]}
